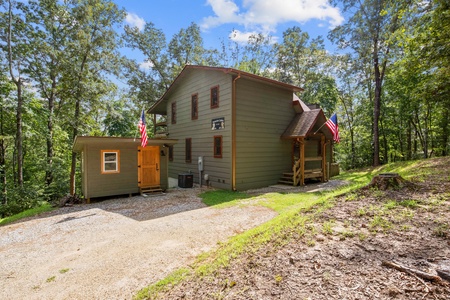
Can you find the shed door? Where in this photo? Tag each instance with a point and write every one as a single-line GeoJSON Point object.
{"type": "Point", "coordinates": [149, 166]}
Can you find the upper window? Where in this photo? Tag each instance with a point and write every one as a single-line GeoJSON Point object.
{"type": "Point", "coordinates": [218, 146]}
{"type": "Point", "coordinates": [174, 113]}
{"type": "Point", "coordinates": [110, 161]}
{"type": "Point", "coordinates": [188, 150]}
{"type": "Point", "coordinates": [215, 97]}
{"type": "Point", "coordinates": [194, 106]}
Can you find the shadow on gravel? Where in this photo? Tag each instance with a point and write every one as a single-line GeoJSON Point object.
{"type": "Point", "coordinates": [141, 208]}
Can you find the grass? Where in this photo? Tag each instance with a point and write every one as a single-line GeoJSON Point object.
{"type": "Point", "coordinates": [290, 222]}
{"type": "Point", "coordinates": [222, 198]}
{"type": "Point", "coordinates": [293, 221]}
{"type": "Point", "coordinates": [27, 213]}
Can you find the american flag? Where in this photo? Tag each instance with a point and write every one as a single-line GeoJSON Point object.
{"type": "Point", "coordinates": [143, 130]}
{"type": "Point", "coordinates": [333, 125]}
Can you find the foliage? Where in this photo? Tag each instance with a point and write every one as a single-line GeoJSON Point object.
{"type": "Point", "coordinates": [59, 79]}
{"type": "Point", "coordinates": [42, 207]}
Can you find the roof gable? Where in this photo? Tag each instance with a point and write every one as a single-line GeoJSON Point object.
{"type": "Point", "coordinates": [160, 106]}
{"type": "Point", "coordinates": [305, 123]}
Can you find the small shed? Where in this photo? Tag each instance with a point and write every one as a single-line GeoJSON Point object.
{"type": "Point", "coordinates": [120, 166]}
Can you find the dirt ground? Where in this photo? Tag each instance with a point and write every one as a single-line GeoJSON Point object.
{"type": "Point", "coordinates": [111, 249]}
{"type": "Point", "coordinates": [342, 251]}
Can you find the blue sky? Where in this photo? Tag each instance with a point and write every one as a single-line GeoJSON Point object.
{"type": "Point", "coordinates": [218, 18]}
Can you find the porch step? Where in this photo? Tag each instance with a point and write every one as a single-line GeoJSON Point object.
{"type": "Point", "coordinates": [286, 178]}
{"type": "Point", "coordinates": [151, 190]}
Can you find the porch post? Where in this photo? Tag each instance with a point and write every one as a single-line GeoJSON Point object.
{"type": "Point", "coordinates": [302, 160]}
{"type": "Point", "coordinates": [324, 157]}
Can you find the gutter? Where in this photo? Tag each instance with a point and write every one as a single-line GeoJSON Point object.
{"type": "Point", "coordinates": [233, 133]}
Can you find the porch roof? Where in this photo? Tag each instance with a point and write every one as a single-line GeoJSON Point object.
{"type": "Point", "coordinates": [306, 123]}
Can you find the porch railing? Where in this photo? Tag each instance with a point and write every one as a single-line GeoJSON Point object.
{"type": "Point", "coordinates": [297, 172]}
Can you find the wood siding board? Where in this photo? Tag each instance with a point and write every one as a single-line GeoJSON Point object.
{"type": "Point", "coordinates": [263, 113]}
{"type": "Point", "coordinates": [199, 130]}
{"type": "Point", "coordinates": [125, 182]}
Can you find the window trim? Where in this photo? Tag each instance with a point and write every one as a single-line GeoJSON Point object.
{"type": "Point", "coordinates": [103, 162]}
{"type": "Point", "coordinates": [174, 113]}
{"type": "Point", "coordinates": [218, 155]}
{"type": "Point", "coordinates": [188, 150]}
{"type": "Point", "coordinates": [194, 106]}
{"type": "Point", "coordinates": [211, 97]}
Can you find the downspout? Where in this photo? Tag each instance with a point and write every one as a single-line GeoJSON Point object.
{"type": "Point", "coordinates": [233, 133]}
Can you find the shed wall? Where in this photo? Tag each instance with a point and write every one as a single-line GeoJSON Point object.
{"type": "Point", "coordinates": [100, 185]}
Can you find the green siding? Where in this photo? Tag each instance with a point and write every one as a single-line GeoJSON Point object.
{"type": "Point", "coordinates": [263, 112]}
{"type": "Point", "coordinates": [100, 185]}
{"type": "Point", "coordinates": [199, 130]}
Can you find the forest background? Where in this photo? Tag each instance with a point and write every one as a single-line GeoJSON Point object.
{"type": "Point", "coordinates": [60, 65]}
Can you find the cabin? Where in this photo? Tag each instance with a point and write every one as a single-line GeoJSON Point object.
{"type": "Point", "coordinates": [240, 131]}
{"type": "Point", "coordinates": [120, 166]}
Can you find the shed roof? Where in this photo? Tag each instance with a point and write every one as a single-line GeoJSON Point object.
{"type": "Point", "coordinates": [81, 141]}
{"type": "Point", "coordinates": [160, 106]}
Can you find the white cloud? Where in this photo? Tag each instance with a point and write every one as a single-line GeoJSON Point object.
{"type": "Point", "coordinates": [267, 14]}
{"type": "Point", "coordinates": [243, 37]}
{"type": "Point", "coordinates": [135, 21]}
{"type": "Point", "coordinates": [226, 12]}
{"type": "Point", "coordinates": [146, 65]}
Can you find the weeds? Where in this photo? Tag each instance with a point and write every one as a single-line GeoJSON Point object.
{"type": "Point", "coordinates": [378, 222]}
{"type": "Point", "coordinates": [327, 227]}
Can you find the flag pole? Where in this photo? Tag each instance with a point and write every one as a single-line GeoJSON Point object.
{"type": "Point", "coordinates": [135, 133]}
{"type": "Point", "coordinates": [320, 127]}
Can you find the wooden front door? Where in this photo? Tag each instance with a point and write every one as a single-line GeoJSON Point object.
{"type": "Point", "coordinates": [149, 167]}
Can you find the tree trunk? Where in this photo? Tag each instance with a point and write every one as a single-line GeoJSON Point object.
{"type": "Point", "coordinates": [376, 115]}
{"type": "Point", "coordinates": [409, 141]}
{"type": "Point", "coordinates": [19, 141]}
{"type": "Point", "coordinates": [4, 198]}
{"type": "Point", "coordinates": [51, 108]}
{"type": "Point", "coordinates": [445, 131]}
{"type": "Point", "coordinates": [73, 165]}
{"type": "Point", "coordinates": [18, 82]}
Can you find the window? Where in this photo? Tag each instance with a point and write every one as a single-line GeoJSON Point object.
{"type": "Point", "coordinates": [110, 161]}
{"type": "Point", "coordinates": [218, 146]}
{"type": "Point", "coordinates": [188, 150]}
{"type": "Point", "coordinates": [170, 153]}
{"type": "Point", "coordinates": [174, 112]}
{"type": "Point", "coordinates": [194, 107]}
{"type": "Point", "coordinates": [215, 97]}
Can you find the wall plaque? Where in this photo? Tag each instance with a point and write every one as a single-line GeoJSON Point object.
{"type": "Point", "coordinates": [218, 123]}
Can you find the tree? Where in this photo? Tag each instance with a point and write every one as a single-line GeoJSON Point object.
{"type": "Point", "coordinates": [305, 63]}
{"type": "Point", "coordinates": [47, 57]}
{"type": "Point", "coordinates": [369, 33]}
{"type": "Point", "coordinates": [14, 44]}
{"type": "Point", "coordinates": [5, 89]}
{"type": "Point", "coordinates": [92, 53]}
{"type": "Point", "coordinates": [152, 43]}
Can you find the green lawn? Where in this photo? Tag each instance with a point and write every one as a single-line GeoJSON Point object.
{"type": "Point", "coordinates": [27, 213]}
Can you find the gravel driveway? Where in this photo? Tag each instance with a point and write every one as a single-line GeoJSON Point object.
{"type": "Point", "coordinates": [111, 249]}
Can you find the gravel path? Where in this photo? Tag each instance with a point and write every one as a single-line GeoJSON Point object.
{"type": "Point", "coordinates": [111, 249]}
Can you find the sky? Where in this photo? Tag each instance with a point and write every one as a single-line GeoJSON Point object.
{"type": "Point", "coordinates": [235, 19]}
